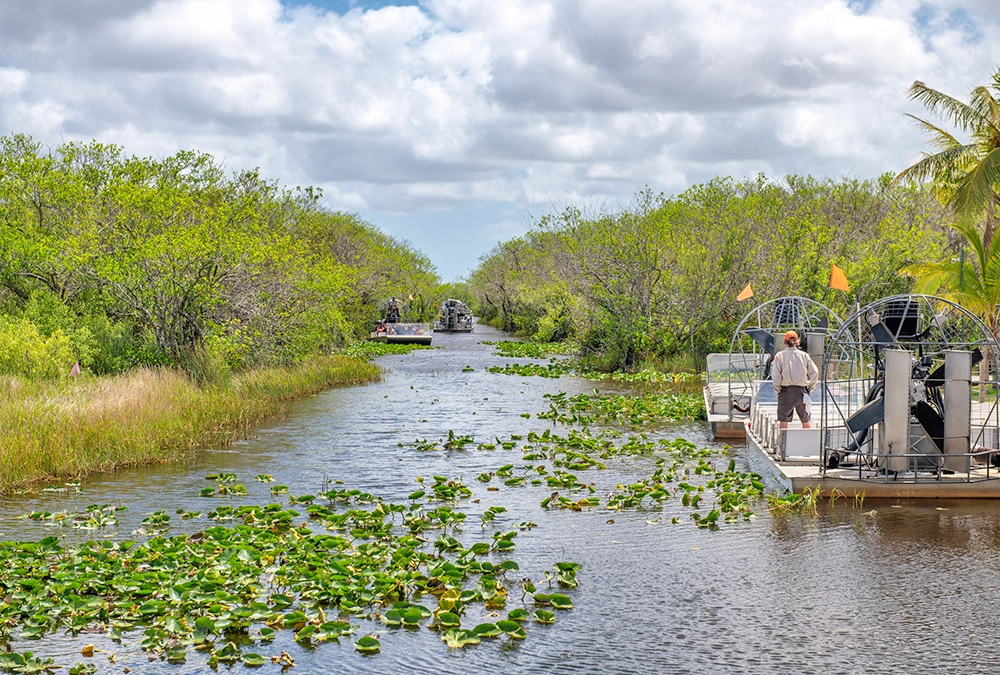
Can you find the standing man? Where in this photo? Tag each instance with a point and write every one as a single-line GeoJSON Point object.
{"type": "Point", "coordinates": [794, 375]}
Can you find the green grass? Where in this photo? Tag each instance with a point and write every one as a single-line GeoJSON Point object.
{"type": "Point", "coordinates": [83, 425]}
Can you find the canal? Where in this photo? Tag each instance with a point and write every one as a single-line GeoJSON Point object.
{"type": "Point", "coordinates": [874, 588]}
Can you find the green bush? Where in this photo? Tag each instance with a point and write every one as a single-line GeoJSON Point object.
{"type": "Point", "coordinates": [25, 351]}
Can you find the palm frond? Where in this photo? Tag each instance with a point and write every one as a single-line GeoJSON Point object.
{"type": "Point", "coordinates": [969, 230]}
{"type": "Point", "coordinates": [973, 191]}
{"type": "Point", "coordinates": [962, 115]}
{"type": "Point", "coordinates": [982, 100]}
{"type": "Point", "coordinates": [945, 164]}
{"type": "Point", "coordinates": [939, 137]}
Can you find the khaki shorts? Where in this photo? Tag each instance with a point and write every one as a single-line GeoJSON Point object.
{"type": "Point", "coordinates": [789, 399]}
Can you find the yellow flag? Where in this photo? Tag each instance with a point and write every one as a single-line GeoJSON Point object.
{"type": "Point", "coordinates": [745, 293]}
{"type": "Point", "coordinates": [838, 281]}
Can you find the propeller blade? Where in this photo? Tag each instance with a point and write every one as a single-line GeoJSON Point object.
{"type": "Point", "coordinates": [763, 338]}
{"type": "Point", "coordinates": [936, 379]}
{"type": "Point", "coordinates": [867, 416]}
{"type": "Point", "coordinates": [882, 336]}
{"type": "Point", "coordinates": [932, 423]}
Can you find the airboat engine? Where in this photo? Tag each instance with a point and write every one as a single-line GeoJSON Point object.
{"type": "Point", "coordinates": [923, 428]}
{"type": "Point", "coordinates": [899, 378]}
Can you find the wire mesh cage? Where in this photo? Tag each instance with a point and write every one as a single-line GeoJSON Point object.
{"type": "Point", "coordinates": [759, 335]}
{"type": "Point", "coordinates": [922, 330]}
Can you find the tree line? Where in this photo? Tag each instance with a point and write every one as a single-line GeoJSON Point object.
{"type": "Point", "coordinates": [655, 282]}
{"type": "Point", "coordinates": [121, 261]}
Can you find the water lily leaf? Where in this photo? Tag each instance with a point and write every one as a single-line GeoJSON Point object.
{"type": "Point", "coordinates": [487, 630]}
{"type": "Point", "coordinates": [508, 626]}
{"type": "Point", "coordinates": [457, 638]}
{"type": "Point", "coordinates": [448, 619]}
{"type": "Point", "coordinates": [205, 625]}
{"type": "Point", "coordinates": [228, 654]}
{"type": "Point", "coordinates": [253, 660]}
{"type": "Point", "coordinates": [305, 633]}
{"type": "Point", "coordinates": [411, 617]}
{"type": "Point", "coordinates": [544, 616]}
{"type": "Point", "coordinates": [560, 601]}
{"type": "Point", "coordinates": [178, 653]}
{"type": "Point", "coordinates": [518, 614]}
{"type": "Point", "coordinates": [541, 599]}
{"type": "Point", "coordinates": [293, 619]}
{"type": "Point", "coordinates": [367, 645]}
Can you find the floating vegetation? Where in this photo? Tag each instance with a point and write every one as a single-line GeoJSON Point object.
{"type": "Point", "coordinates": [647, 376]}
{"type": "Point", "coordinates": [804, 502]}
{"type": "Point", "coordinates": [555, 368]}
{"type": "Point", "coordinates": [456, 442]}
{"type": "Point", "coordinates": [633, 411]}
{"type": "Point", "coordinates": [530, 349]}
{"type": "Point", "coordinates": [227, 589]}
{"type": "Point", "coordinates": [94, 517]}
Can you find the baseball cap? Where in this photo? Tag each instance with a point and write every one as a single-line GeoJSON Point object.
{"type": "Point", "coordinates": [791, 335]}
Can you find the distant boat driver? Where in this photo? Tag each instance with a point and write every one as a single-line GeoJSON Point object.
{"type": "Point", "coordinates": [794, 376]}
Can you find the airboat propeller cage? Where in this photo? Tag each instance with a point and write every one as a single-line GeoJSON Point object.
{"type": "Point", "coordinates": [898, 387]}
{"type": "Point", "coordinates": [761, 333]}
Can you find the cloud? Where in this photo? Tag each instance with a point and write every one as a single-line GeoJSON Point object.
{"type": "Point", "coordinates": [532, 103]}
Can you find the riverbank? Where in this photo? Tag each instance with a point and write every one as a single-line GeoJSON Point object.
{"type": "Point", "coordinates": [80, 426]}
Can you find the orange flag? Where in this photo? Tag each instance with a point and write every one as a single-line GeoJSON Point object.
{"type": "Point", "coordinates": [745, 293]}
{"type": "Point", "coordinates": [838, 281]}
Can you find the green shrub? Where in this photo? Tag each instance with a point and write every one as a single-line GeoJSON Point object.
{"type": "Point", "coordinates": [25, 351]}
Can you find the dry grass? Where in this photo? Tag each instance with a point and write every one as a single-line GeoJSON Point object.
{"type": "Point", "coordinates": [71, 428]}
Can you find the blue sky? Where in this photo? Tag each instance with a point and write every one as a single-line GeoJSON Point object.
{"type": "Point", "coordinates": [454, 124]}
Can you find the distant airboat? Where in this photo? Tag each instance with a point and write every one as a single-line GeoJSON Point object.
{"type": "Point", "coordinates": [455, 317]}
{"type": "Point", "coordinates": [391, 328]}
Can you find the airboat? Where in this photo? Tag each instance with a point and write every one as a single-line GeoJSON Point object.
{"type": "Point", "coordinates": [455, 317]}
{"type": "Point", "coordinates": [391, 328]}
{"type": "Point", "coordinates": [906, 408]}
{"type": "Point", "coordinates": [738, 379]}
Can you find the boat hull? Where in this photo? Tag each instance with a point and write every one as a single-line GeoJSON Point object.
{"type": "Point", "coordinates": [797, 476]}
{"type": "Point", "coordinates": [403, 334]}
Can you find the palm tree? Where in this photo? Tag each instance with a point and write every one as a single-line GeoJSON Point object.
{"type": "Point", "coordinates": [973, 284]}
{"type": "Point", "coordinates": [965, 175]}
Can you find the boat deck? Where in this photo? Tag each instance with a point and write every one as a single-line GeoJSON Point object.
{"type": "Point", "coordinates": [790, 460]}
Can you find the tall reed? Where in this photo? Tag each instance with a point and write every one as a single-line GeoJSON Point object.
{"type": "Point", "coordinates": [82, 425]}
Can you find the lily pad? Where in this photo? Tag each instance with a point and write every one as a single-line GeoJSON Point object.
{"type": "Point", "coordinates": [487, 630]}
{"type": "Point", "coordinates": [518, 614]}
{"type": "Point", "coordinates": [457, 638]}
{"type": "Point", "coordinates": [448, 619]}
{"type": "Point", "coordinates": [253, 660]}
{"type": "Point", "coordinates": [544, 616]}
{"type": "Point", "coordinates": [367, 645]}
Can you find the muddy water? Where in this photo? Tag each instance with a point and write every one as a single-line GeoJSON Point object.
{"type": "Point", "coordinates": [893, 587]}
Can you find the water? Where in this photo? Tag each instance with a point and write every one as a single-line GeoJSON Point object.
{"type": "Point", "coordinates": [892, 587]}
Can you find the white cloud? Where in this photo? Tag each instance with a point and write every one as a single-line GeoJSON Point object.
{"type": "Point", "coordinates": [534, 103]}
